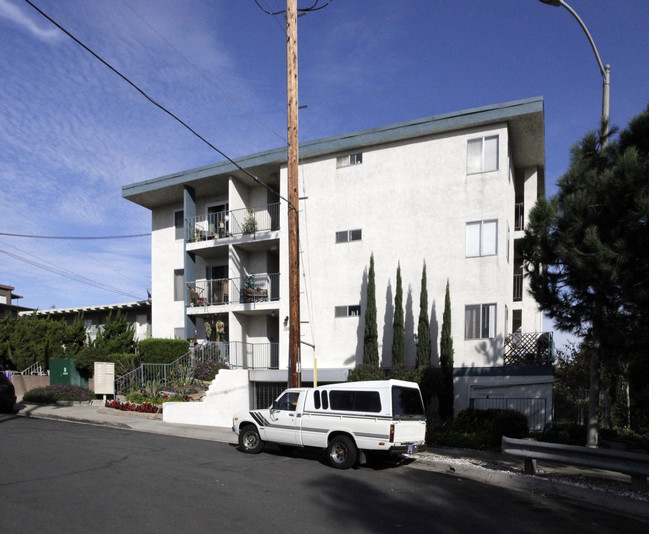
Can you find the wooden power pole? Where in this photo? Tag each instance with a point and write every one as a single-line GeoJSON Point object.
{"type": "Point", "coordinates": [294, 372]}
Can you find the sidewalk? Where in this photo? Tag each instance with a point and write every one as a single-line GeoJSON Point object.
{"type": "Point", "coordinates": [600, 488]}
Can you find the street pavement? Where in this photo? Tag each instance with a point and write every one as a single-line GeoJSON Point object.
{"type": "Point", "coordinates": [603, 489]}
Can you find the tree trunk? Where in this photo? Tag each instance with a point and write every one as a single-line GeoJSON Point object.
{"type": "Point", "coordinates": [593, 402]}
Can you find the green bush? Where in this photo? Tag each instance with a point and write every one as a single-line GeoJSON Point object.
{"type": "Point", "coordinates": [493, 424]}
{"type": "Point", "coordinates": [155, 350]}
{"type": "Point", "coordinates": [364, 372]}
{"type": "Point", "coordinates": [85, 360]}
{"type": "Point", "coordinates": [124, 362]}
{"type": "Point", "coordinates": [60, 392]}
{"type": "Point", "coordinates": [401, 372]}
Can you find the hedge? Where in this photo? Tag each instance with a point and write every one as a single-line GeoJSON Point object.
{"type": "Point", "coordinates": [154, 350]}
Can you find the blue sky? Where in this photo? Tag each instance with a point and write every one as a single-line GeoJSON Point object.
{"type": "Point", "coordinates": [73, 133]}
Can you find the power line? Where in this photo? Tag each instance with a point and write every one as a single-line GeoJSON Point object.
{"type": "Point", "coordinates": [314, 7]}
{"type": "Point", "coordinates": [74, 237]}
{"type": "Point", "coordinates": [160, 106]}
{"type": "Point", "coordinates": [199, 71]}
{"type": "Point", "coordinates": [70, 274]}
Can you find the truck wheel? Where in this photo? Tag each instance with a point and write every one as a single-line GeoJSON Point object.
{"type": "Point", "coordinates": [249, 440]}
{"type": "Point", "coordinates": [342, 452]}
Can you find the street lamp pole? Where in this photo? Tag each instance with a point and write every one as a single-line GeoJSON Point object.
{"type": "Point", "coordinates": [604, 69]}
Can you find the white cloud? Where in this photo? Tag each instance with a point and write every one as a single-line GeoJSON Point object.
{"type": "Point", "coordinates": [23, 20]}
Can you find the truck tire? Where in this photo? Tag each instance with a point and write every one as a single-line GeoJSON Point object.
{"type": "Point", "coordinates": [342, 452]}
{"type": "Point", "coordinates": [249, 440]}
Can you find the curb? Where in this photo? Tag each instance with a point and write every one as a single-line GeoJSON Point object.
{"type": "Point", "coordinates": [538, 484]}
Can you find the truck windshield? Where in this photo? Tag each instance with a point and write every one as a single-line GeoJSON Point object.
{"type": "Point", "coordinates": [406, 403]}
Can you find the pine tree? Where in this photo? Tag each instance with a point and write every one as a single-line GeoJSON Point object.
{"type": "Point", "coordinates": [586, 251]}
{"type": "Point", "coordinates": [398, 326]}
{"type": "Point", "coordinates": [446, 353]}
{"type": "Point", "coordinates": [370, 336]}
{"type": "Point", "coordinates": [423, 327]}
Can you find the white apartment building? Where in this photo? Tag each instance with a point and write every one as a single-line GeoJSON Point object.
{"type": "Point", "coordinates": [452, 191]}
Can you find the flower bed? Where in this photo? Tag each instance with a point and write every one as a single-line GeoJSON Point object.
{"type": "Point", "coordinates": [146, 407]}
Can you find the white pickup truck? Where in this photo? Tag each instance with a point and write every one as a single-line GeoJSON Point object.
{"type": "Point", "coordinates": [345, 419]}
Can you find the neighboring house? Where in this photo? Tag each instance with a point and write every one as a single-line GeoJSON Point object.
{"type": "Point", "coordinates": [452, 190]}
{"type": "Point", "coordinates": [7, 306]}
{"type": "Point", "coordinates": [94, 317]}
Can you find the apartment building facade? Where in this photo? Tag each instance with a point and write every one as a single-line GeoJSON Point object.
{"type": "Point", "coordinates": [451, 191]}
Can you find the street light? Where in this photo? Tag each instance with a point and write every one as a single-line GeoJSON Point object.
{"type": "Point", "coordinates": [604, 69]}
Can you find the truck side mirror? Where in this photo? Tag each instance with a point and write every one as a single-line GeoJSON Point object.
{"type": "Point", "coordinates": [275, 405]}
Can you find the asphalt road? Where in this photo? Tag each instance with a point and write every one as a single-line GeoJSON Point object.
{"type": "Point", "coordinates": [66, 477]}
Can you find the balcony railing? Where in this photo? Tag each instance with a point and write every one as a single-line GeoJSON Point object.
{"type": "Point", "coordinates": [232, 223]}
{"type": "Point", "coordinates": [531, 348]}
{"type": "Point", "coordinates": [519, 216]}
{"type": "Point", "coordinates": [518, 287]}
{"type": "Point", "coordinates": [248, 288]}
{"type": "Point", "coordinates": [254, 355]}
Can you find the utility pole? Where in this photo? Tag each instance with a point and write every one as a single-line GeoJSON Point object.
{"type": "Point", "coordinates": [294, 371]}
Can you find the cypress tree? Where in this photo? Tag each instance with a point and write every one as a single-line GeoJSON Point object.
{"type": "Point", "coordinates": [423, 328]}
{"type": "Point", "coordinates": [370, 336]}
{"type": "Point", "coordinates": [446, 361]}
{"type": "Point", "coordinates": [399, 329]}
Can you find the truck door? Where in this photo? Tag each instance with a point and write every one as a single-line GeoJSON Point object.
{"type": "Point", "coordinates": [285, 418]}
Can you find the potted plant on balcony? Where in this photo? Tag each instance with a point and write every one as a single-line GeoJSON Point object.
{"type": "Point", "coordinates": [250, 223]}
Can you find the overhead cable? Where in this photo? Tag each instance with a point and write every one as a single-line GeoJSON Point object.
{"type": "Point", "coordinates": [177, 119]}
{"type": "Point", "coordinates": [75, 237]}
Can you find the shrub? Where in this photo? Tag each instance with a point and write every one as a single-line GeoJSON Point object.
{"type": "Point", "coordinates": [86, 358]}
{"type": "Point", "coordinates": [124, 363]}
{"type": "Point", "coordinates": [493, 424]}
{"type": "Point", "coordinates": [401, 372]}
{"type": "Point", "coordinates": [206, 371]}
{"type": "Point", "coordinates": [154, 350]}
{"type": "Point", "coordinates": [60, 392]}
{"type": "Point", "coordinates": [364, 372]}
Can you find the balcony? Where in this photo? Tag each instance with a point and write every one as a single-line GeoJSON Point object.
{"type": "Point", "coordinates": [518, 287]}
{"type": "Point", "coordinates": [529, 349]}
{"type": "Point", "coordinates": [240, 355]}
{"type": "Point", "coordinates": [246, 289]}
{"type": "Point", "coordinates": [519, 217]}
{"type": "Point", "coordinates": [246, 221]}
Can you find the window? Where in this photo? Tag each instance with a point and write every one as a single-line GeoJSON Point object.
{"type": "Point", "coordinates": [482, 155]}
{"type": "Point", "coordinates": [287, 402]}
{"type": "Point", "coordinates": [179, 224]}
{"type": "Point", "coordinates": [481, 238]}
{"type": "Point", "coordinates": [179, 284]}
{"type": "Point", "coordinates": [355, 401]}
{"type": "Point", "coordinates": [480, 321]}
{"type": "Point", "coordinates": [348, 311]}
{"type": "Point", "coordinates": [349, 160]}
{"type": "Point", "coordinates": [349, 235]}
{"type": "Point", "coordinates": [407, 403]}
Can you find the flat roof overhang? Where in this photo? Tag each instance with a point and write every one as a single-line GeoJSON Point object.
{"type": "Point", "coordinates": [525, 119]}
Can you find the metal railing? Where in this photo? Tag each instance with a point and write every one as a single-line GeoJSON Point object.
{"type": "Point", "coordinates": [235, 354]}
{"type": "Point", "coordinates": [529, 348]}
{"type": "Point", "coordinates": [248, 288]}
{"type": "Point", "coordinates": [254, 355]}
{"type": "Point", "coordinates": [166, 372]}
{"type": "Point", "coordinates": [518, 287]}
{"type": "Point", "coordinates": [519, 216]}
{"type": "Point", "coordinates": [252, 220]}
{"type": "Point", "coordinates": [34, 370]}
{"type": "Point", "coordinates": [533, 408]}
{"type": "Point", "coordinates": [635, 465]}
{"type": "Point", "coordinates": [231, 223]}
